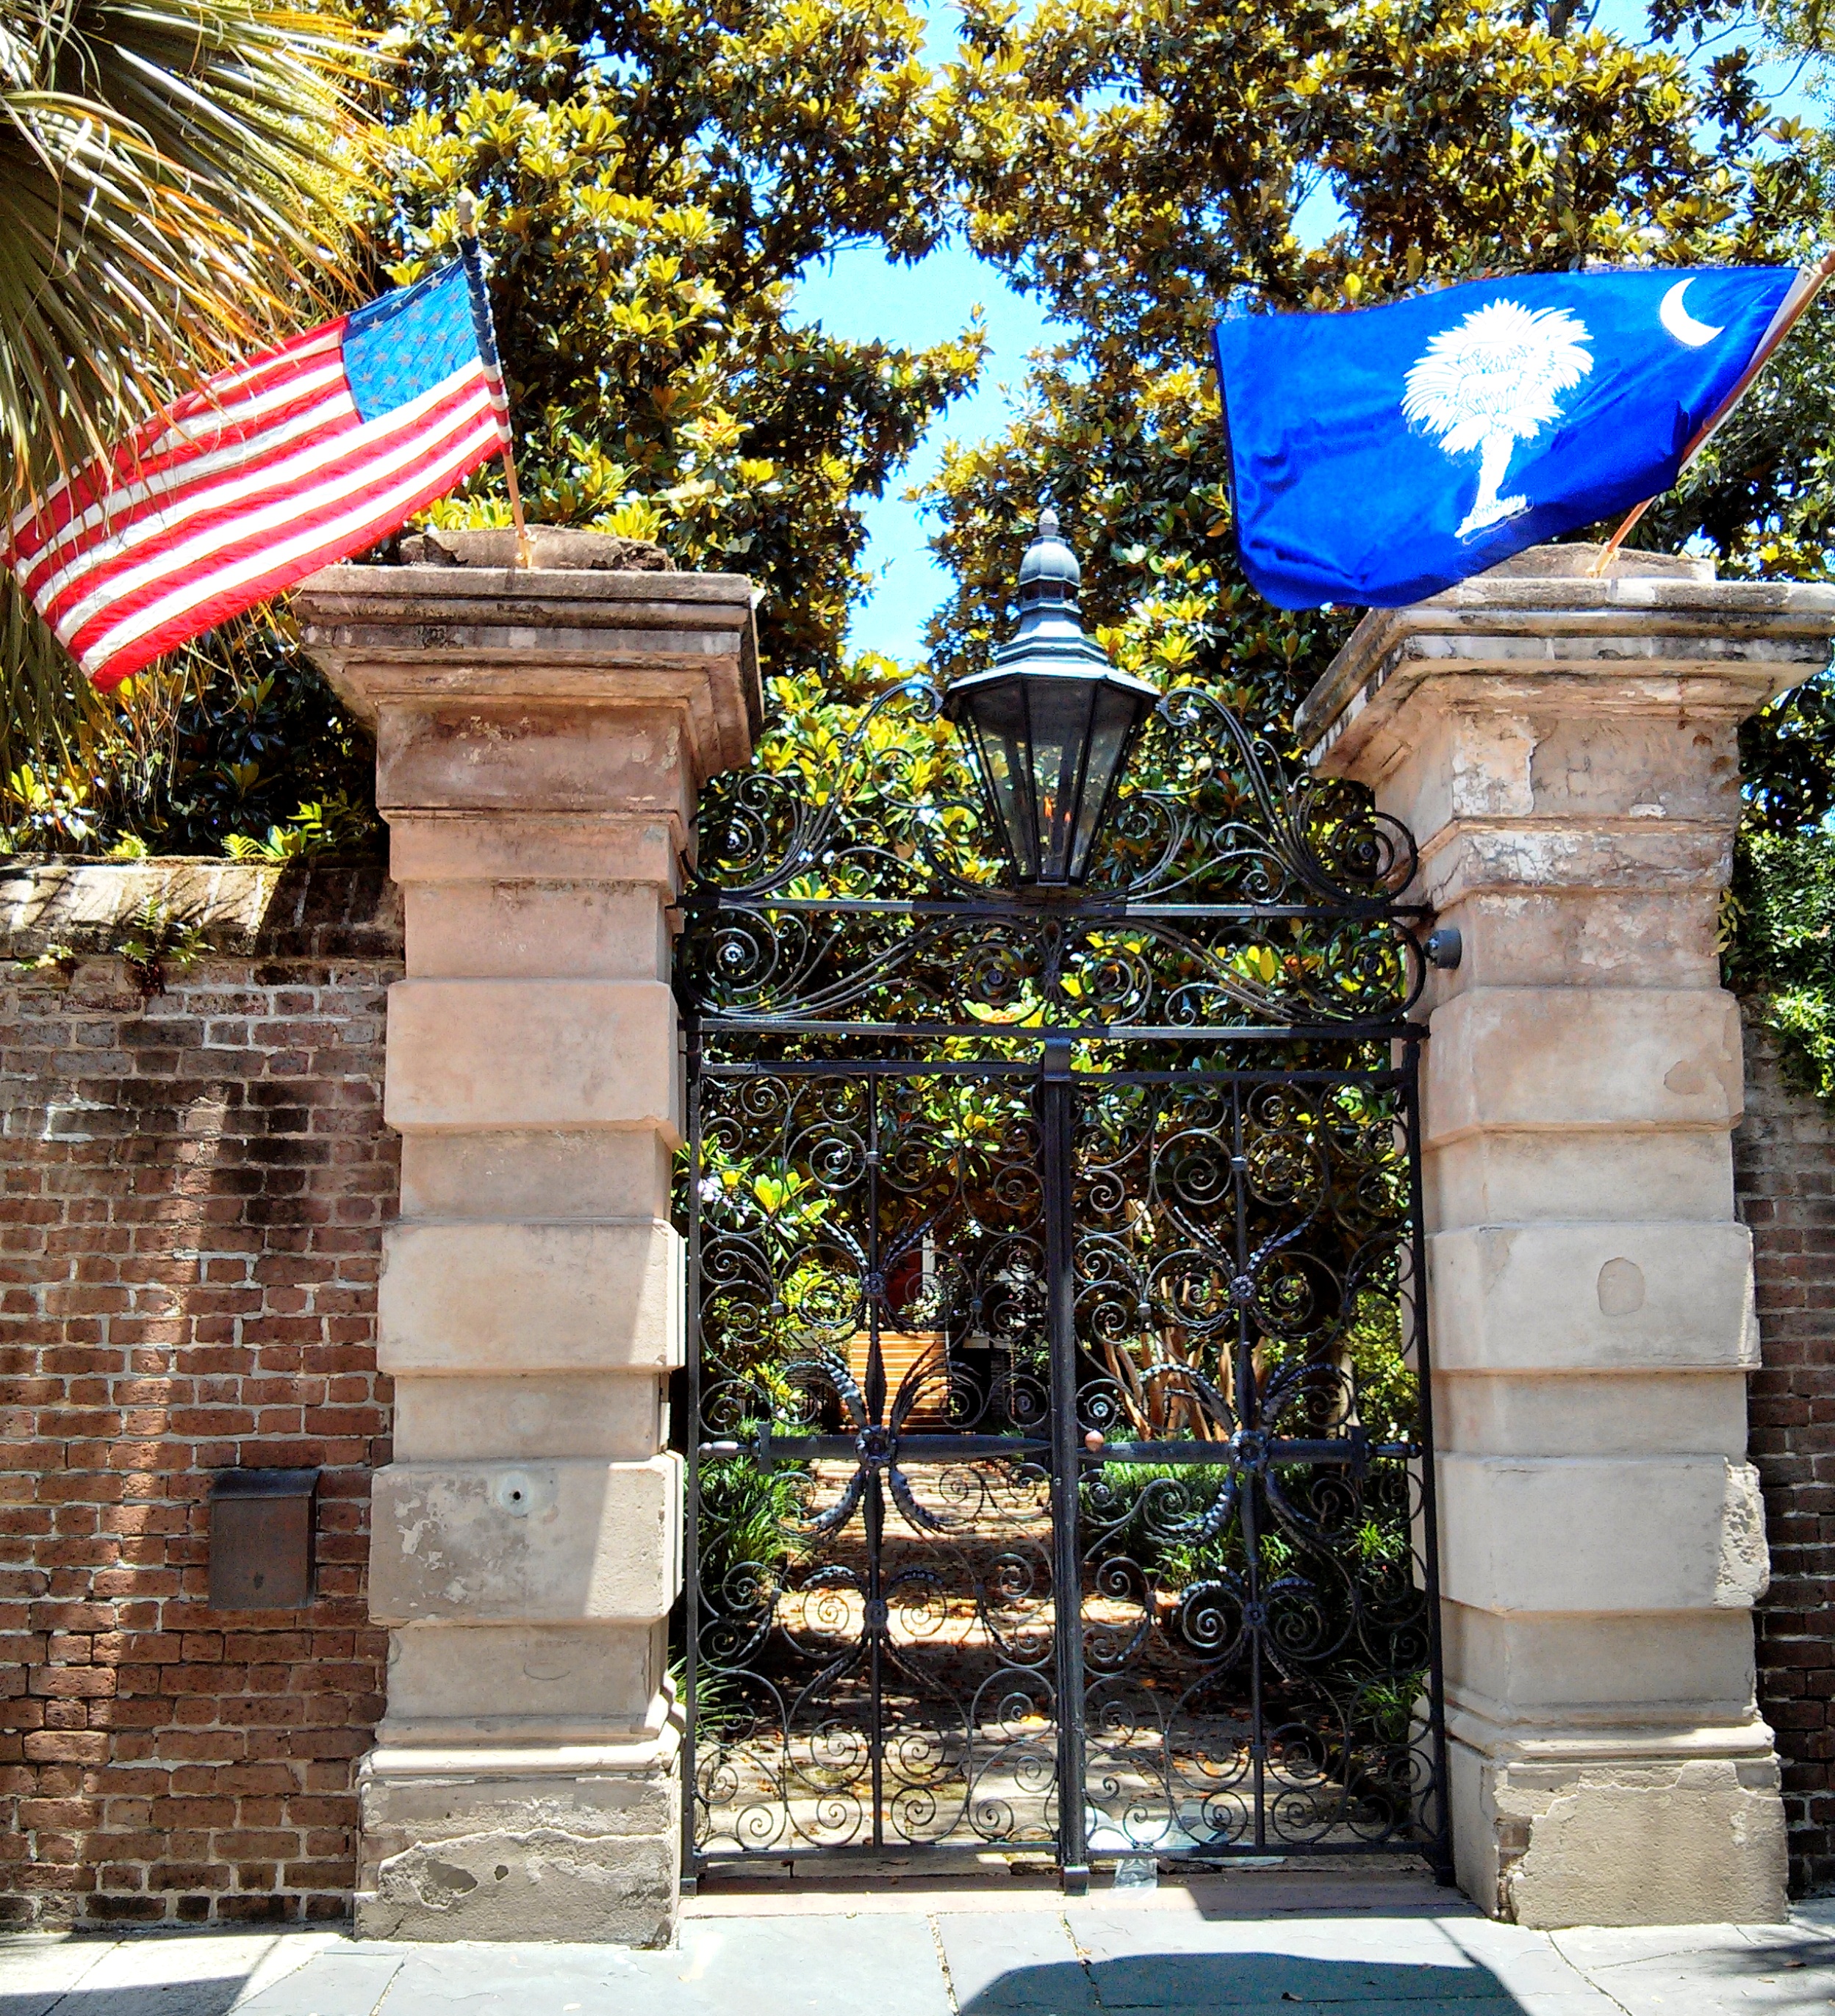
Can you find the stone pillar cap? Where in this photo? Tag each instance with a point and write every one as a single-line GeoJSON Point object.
{"type": "Point", "coordinates": [1652, 626]}
{"type": "Point", "coordinates": [587, 625]}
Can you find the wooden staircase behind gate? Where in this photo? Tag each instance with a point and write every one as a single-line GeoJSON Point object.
{"type": "Point", "coordinates": [899, 1350]}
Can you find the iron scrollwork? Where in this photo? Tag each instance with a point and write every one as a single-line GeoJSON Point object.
{"type": "Point", "coordinates": [893, 1349]}
{"type": "Point", "coordinates": [1226, 894]}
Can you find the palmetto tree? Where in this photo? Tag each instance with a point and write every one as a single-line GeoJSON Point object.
{"type": "Point", "coordinates": [172, 182]}
{"type": "Point", "coordinates": [1492, 381]}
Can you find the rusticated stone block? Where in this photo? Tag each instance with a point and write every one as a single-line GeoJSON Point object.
{"type": "Point", "coordinates": [589, 1858]}
{"type": "Point", "coordinates": [1664, 1840]}
{"type": "Point", "coordinates": [1620, 1296]}
{"type": "Point", "coordinates": [555, 1541]}
{"type": "Point", "coordinates": [455, 1297]}
{"type": "Point", "coordinates": [1565, 1059]}
{"type": "Point", "coordinates": [1567, 1535]}
{"type": "Point", "coordinates": [470, 1055]}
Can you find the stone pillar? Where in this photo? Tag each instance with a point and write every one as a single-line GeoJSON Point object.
{"type": "Point", "coordinates": [540, 738]}
{"type": "Point", "coordinates": [1564, 750]}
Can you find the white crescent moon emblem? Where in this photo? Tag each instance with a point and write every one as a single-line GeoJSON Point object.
{"type": "Point", "coordinates": [1680, 323]}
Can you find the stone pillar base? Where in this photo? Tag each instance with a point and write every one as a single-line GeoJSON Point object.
{"type": "Point", "coordinates": [574, 1842]}
{"type": "Point", "coordinates": [1681, 1829]}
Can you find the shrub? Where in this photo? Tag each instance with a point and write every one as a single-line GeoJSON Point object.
{"type": "Point", "coordinates": [1779, 934]}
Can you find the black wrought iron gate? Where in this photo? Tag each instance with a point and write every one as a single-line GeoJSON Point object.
{"type": "Point", "coordinates": [1058, 1407]}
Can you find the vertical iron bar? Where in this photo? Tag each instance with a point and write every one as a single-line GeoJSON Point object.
{"type": "Point", "coordinates": [1067, 1578]}
{"type": "Point", "coordinates": [873, 1510]}
{"type": "Point", "coordinates": [1440, 1854]}
{"type": "Point", "coordinates": [690, 1432]}
{"type": "Point", "coordinates": [1249, 1418]}
{"type": "Point", "coordinates": [873, 1517]}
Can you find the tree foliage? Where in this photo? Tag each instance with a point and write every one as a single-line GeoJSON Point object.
{"type": "Point", "coordinates": [173, 174]}
{"type": "Point", "coordinates": [1139, 167]}
{"type": "Point", "coordinates": [240, 747]}
{"type": "Point", "coordinates": [1781, 949]}
{"type": "Point", "coordinates": [165, 171]}
{"type": "Point", "coordinates": [653, 183]}
{"type": "Point", "coordinates": [654, 179]}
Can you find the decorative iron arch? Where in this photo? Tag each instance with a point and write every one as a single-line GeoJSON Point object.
{"type": "Point", "coordinates": [1223, 849]}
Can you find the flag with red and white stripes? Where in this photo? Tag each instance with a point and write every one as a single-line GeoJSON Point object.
{"type": "Point", "coordinates": [283, 465]}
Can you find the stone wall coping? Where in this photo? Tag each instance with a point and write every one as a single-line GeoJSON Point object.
{"type": "Point", "coordinates": [291, 908]}
{"type": "Point", "coordinates": [419, 632]}
{"type": "Point", "coordinates": [1754, 638]}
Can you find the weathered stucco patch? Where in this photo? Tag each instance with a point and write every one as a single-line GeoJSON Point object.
{"type": "Point", "coordinates": [1744, 1572]}
{"type": "Point", "coordinates": [1641, 1844]}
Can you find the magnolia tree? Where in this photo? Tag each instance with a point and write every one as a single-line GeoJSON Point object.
{"type": "Point", "coordinates": [655, 181]}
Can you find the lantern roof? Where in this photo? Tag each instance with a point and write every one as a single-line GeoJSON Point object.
{"type": "Point", "coordinates": [1051, 623]}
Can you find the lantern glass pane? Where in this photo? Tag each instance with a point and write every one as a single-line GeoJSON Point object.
{"type": "Point", "coordinates": [1061, 731]}
{"type": "Point", "coordinates": [997, 717]}
{"type": "Point", "coordinates": [1110, 733]}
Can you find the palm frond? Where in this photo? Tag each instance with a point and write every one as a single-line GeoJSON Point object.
{"type": "Point", "coordinates": [37, 696]}
{"type": "Point", "coordinates": [175, 185]}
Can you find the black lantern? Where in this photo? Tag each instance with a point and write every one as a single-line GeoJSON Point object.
{"type": "Point", "coordinates": [1050, 726]}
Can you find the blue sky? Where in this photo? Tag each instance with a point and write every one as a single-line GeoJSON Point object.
{"type": "Point", "coordinates": [860, 295]}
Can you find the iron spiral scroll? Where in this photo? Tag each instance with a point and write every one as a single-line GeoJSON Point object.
{"type": "Point", "coordinates": [1057, 1406]}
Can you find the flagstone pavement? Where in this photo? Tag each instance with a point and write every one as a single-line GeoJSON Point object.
{"type": "Point", "coordinates": [1269, 1942]}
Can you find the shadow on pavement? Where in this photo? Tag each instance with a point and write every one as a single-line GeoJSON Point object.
{"type": "Point", "coordinates": [1275, 1983]}
{"type": "Point", "coordinates": [214, 1996]}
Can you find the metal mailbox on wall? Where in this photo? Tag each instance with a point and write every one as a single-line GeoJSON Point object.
{"type": "Point", "coordinates": [261, 1539]}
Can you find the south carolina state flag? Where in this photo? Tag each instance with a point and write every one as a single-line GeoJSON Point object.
{"type": "Point", "coordinates": [1380, 455]}
{"type": "Point", "coordinates": [268, 472]}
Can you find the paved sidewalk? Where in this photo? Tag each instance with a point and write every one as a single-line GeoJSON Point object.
{"type": "Point", "coordinates": [1393, 1945]}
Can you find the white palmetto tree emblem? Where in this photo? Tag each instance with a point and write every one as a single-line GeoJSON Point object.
{"type": "Point", "coordinates": [1493, 380]}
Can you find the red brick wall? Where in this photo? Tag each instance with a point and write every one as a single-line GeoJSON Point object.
{"type": "Point", "coordinates": [1784, 1158]}
{"type": "Point", "coordinates": [191, 1203]}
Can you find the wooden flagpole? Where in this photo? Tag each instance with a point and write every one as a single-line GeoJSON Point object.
{"type": "Point", "coordinates": [1809, 284]}
{"type": "Point", "coordinates": [525, 552]}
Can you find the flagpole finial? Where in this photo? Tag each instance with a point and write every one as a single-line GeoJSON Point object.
{"type": "Point", "coordinates": [466, 207]}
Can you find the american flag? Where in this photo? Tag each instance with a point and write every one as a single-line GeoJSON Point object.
{"type": "Point", "coordinates": [267, 472]}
